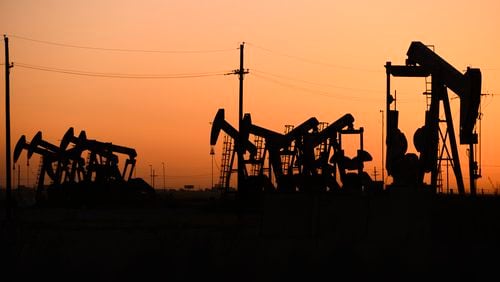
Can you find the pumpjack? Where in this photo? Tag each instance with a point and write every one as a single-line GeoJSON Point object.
{"type": "Point", "coordinates": [220, 124]}
{"type": "Point", "coordinates": [49, 158]}
{"type": "Point", "coordinates": [277, 144]}
{"type": "Point", "coordinates": [408, 169]}
{"type": "Point", "coordinates": [76, 179]}
{"type": "Point", "coordinates": [316, 163]}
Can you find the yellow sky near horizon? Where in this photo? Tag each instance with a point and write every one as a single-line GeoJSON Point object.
{"type": "Point", "coordinates": [320, 58]}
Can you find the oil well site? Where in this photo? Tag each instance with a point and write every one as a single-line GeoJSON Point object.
{"type": "Point", "coordinates": [302, 207]}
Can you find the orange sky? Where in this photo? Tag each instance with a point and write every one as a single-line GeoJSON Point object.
{"type": "Point", "coordinates": [334, 51]}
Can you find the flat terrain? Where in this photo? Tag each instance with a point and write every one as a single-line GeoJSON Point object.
{"type": "Point", "coordinates": [184, 236]}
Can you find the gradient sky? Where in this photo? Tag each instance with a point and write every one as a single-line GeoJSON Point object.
{"type": "Point", "coordinates": [306, 58]}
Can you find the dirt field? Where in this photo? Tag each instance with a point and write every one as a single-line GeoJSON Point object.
{"type": "Point", "coordinates": [199, 235]}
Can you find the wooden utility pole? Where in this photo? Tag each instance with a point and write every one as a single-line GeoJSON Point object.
{"type": "Point", "coordinates": [151, 175]}
{"type": "Point", "coordinates": [8, 185]}
{"type": "Point", "coordinates": [27, 173]}
{"type": "Point", "coordinates": [18, 176]}
{"type": "Point", "coordinates": [163, 166]}
{"type": "Point", "coordinates": [238, 143]}
{"type": "Point", "coordinates": [241, 74]}
{"type": "Point", "coordinates": [212, 153]}
{"type": "Point", "coordinates": [383, 174]}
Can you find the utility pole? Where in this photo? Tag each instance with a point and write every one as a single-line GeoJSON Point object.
{"type": "Point", "coordinates": [239, 147]}
{"type": "Point", "coordinates": [18, 176]}
{"type": "Point", "coordinates": [163, 166]}
{"type": "Point", "coordinates": [27, 173]}
{"type": "Point", "coordinates": [212, 153]}
{"type": "Point", "coordinates": [14, 180]}
{"type": "Point", "coordinates": [383, 175]}
{"type": "Point", "coordinates": [8, 186]}
{"type": "Point", "coordinates": [388, 101]}
{"type": "Point", "coordinates": [151, 175]}
{"type": "Point", "coordinates": [241, 75]}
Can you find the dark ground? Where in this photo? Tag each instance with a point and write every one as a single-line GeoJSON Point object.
{"type": "Point", "coordinates": [186, 236]}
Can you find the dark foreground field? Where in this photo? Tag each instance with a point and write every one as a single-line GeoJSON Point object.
{"type": "Point", "coordinates": [186, 236]}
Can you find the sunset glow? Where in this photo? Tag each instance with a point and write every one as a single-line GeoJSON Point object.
{"type": "Point", "coordinates": [150, 74]}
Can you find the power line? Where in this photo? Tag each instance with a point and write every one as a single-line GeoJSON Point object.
{"type": "Point", "coordinates": [309, 61]}
{"type": "Point", "coordinates": [119, 49]}
{"type": "Point", "coordinates": [309, 90]}
{"type": "Point", "coordinates": [117, 75]}
{"type": "Point", "coordinates": [489, 102]}
{"type": "Point", "coordinates": [314, 83]}
{"type": "Point", "coordinates": [275, 79]}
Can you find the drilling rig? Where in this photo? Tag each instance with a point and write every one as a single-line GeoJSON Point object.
{"type": "Point", "coordinates": [408, 169]}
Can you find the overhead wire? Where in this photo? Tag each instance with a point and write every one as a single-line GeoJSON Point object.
{"type": "Point", "coordinates": [309, 61]}
{"type": "Point", "coordinates": [260, 74]}
{"type": "Point", "coordinates": [276, 79]}
{"type": "Point", "coordinates": [313, 83]}
{"type": "Point", "coordinates": [119, 49]}
{"type": "Point", "coordinates": [309, 90]}
{"type": "Point", "coordinates": [489, 102]}
{"type": "Point", "coordinates": [117, 75]}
